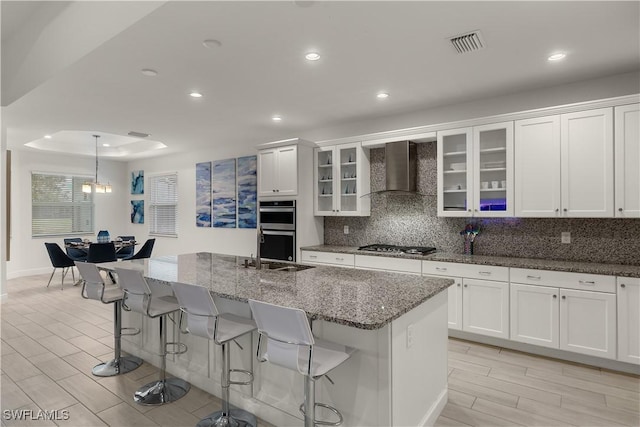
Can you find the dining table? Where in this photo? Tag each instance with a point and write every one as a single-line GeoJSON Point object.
{"type": "Point", "coordinates": [84, 245]}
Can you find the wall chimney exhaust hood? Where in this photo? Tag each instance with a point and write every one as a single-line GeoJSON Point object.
{"type": "Point", "coordinates": [401, 165]}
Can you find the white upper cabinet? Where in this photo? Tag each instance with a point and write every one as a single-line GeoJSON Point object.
{"type": "Point", "coordinates": [586, 141]}
{"type": "Point", "coordinates": [475, 171]}
{"type": "Point", "coordinates": [537, 167]}
{"type": "Point", "coordinates": [341, 177]}
{"type": "Point", "coordinates": [278, 171]}
{"type": "Point", "coordinates": [564, 165]}
{"type": "Point", "coordinates": [627, 161]}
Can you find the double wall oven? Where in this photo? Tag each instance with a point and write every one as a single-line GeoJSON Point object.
{"type": "Point", "coordinates": [278, 221]}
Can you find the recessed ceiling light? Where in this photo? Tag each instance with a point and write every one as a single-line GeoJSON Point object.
{"type": "Point", "coordinates": [556, 56]}
{"type": "Point", "coordinates": [47, 137]}
{"type": "Point", "coordinates": [106, 145]}
{"type": "Point", "coordinates": [276, 118]}
{"type": "Point", "coordinates": [195, 95]}
{"type": "Point", "coordinates": [211, 43]}
{"type": "Point", "coordinates": [149, 72]}
{"type": "Point", "coordinates": [312, 56]}
{"type": "Point", "coordinates": [382, 95]}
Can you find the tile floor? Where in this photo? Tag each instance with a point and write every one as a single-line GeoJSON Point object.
{"type": "Point", "coordinates": [51, 339]}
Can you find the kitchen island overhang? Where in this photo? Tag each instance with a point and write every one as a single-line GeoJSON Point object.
{"type": "Point", "coordinates": [398, 322]}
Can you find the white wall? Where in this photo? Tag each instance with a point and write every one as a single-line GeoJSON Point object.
{"type": "Point", "coordinates": [112, 211]}
{"type": "Point", "coordinates": [191, 238]}
{"type": "Point", "coordinates": [3, 219]}
{"type": "Point", "coordinates": [28, 255]}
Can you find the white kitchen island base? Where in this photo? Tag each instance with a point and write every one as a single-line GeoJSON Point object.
{"type": "Point", "coordinates": [398, 376]}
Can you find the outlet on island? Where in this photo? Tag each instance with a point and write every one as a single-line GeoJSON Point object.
{"type": "Point", "coordinates": [565, 237]}
{"type": "Point", "coordinates": [346, 229]}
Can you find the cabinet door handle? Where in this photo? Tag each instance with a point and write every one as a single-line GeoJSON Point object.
{"type": "Point", "coordinates": [274, 190]}
{"type": "Point", "coordinates": [466, 286]}
{"type": "Point", "coordinates": [565, 209]}
{"type": "Point", "coordinates": [441, 268]}
{"type": "Point", "coordinates": [533, 277]}
{"type": "Point", "coordinates": [458, 284]}
{"type": "Point", "coordinates": [564, 297]}
{"type": "Point", "coordinates": [587, 282]}
{"type": "Point", "coordinates": [557, 210]}
{"type": "Point", "coordinates": [622, 285]}
{"type": "Point", "coordinates": [468, 210]}
{"type": "Point", "coordinates": [555, 296]}
{"type": "Point", "coordinates": [485, 273]}
{"type": "Point", "coordinates": [619, 209]}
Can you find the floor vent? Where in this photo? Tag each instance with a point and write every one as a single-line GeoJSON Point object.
{"type": "Point", "coordinates": [468, 42]}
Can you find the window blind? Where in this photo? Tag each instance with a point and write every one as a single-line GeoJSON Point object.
{"type": "Point", "coordinates": [58, 205]}
{"type": "Point", "coordinates": [163, 204]}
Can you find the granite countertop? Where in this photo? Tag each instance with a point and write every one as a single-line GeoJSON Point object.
{"type": "Point", "coordinates": [513, 262]}
{"type": "Point", "coordinates": [359, 298]}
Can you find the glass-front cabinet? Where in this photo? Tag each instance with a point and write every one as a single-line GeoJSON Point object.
{"type": "Point", "coordinates": [341, 176]}
{"type": "Point", "coordinates": [475, 171]}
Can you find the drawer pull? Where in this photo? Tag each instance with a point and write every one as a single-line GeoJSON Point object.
{"type": "Point", "coordinates": [533, 277]}
{"type": "Point", "coordinates": [339, 259]}
{"type": "Point", "coordinates": [587, 282]}
{"type": "Point", "coordinates": [313, 256]}
{"type": "Point", "coordinates": [441, 268]}
{"type": "Point", "coordinates": [485, 273]}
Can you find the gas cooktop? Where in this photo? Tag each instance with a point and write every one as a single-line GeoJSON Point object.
{"type": "Point", "coordinates": [412, 250]}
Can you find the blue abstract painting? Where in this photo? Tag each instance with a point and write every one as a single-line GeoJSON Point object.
{"type": "Point", "coordinates": [137, 211]}
{"type": "Point", "coordinates": [203, 194]}
{"type": "Point", "coordinates": [137, 182]}
{"type": "Point", "coordinates": [247, 192]}
{"type": "Point", "coordinates": [223, 185]}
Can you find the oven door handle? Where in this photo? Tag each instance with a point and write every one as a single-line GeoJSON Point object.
{"type": "Point", "coordinates": [278, 233]}
{"type": "Point", "coordinates": [290, 227]}
{"type": "Point", "coordinates": [277, 209]}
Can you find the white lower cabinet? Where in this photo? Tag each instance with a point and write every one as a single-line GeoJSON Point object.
{"type": "Point", "coordinates": [535, 315]}
{"type": "Point", "coordinates": [629, 319]}
{"type": "Point", "coordinates": [588, 323]}
{"type": "Point", "coordinates": [455, 304]}
{"type": "Point", "coordinates": [485, 307]}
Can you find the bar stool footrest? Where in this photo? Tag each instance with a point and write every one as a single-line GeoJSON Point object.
{"type": "Point", "coordinates": [325, 423]}
{"type": "Point", "coordinates": [235, 418]}
{"type": "Point", "coordinates": [242, 371]}
{"type": "Point", "coordinates": [129, 331]}
{"type": "Point", "coordinates": [176, 348]}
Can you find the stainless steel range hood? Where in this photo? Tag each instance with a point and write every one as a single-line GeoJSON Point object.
{"type": "Point", "coordinates": [401, 163]}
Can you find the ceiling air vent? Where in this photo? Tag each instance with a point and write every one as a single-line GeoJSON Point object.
{"type": "Point", "coordinates": [468, 42]}
{"type": "Point", "coordinates": [138, 134]}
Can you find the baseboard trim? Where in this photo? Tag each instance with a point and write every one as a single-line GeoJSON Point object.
{"type": "Point", "coordinates": [436, 409]}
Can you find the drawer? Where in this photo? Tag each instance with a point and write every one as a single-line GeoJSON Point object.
{"type": "Point", "coordinates": [389, 264]}
{"type": "Point", "coordinates": [471, 271]}
{"type": "Point", "coordinates": [332, 258]}
{"type": "Point", "coordinates": [563, 279]}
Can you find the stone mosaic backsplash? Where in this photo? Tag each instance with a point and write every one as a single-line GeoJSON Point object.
{"type": "Point", "coordinates": [413, 220]}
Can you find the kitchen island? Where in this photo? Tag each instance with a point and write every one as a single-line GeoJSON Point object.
{"type": "Point", "coordinates": [397, 322]}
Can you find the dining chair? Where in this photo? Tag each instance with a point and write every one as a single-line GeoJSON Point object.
{"type": "Point", "coordinates": [145, 250]}
{"type": "Point", "coordinates": [126, 251]}
{"type": "Point", "coordinates": [59, 260]}
{"type": "Point", "coordinates": [73, 253]}
{"type": "Point", "coordinates": [101, 252]}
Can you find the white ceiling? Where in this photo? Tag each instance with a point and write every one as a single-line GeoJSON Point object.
{"type": "Point", "coordinates": [76, 65]}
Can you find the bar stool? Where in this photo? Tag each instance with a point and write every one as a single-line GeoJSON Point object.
{"type": "Point", "coordinates": [204, 320]}
{"type": "Point", "coordinates": [93, 287]}
{"type": "Point", "coordinates": [291, 344]}
{"type": "Point", "coordinates": [139, 297]}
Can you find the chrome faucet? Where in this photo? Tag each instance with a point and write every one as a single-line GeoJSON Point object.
{"type": "Point", "coordinates": [260, 239]}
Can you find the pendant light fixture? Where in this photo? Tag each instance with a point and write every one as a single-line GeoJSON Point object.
{"type": "Point", "coordinates": [96, 186]}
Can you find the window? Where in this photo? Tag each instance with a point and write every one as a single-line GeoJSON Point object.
{"type": "Point", "coordinates": [163, 204]}
{"type": "Point", "coordinates": [58, 205]}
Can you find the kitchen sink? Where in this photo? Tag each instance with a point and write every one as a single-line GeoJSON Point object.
{"type": "Point", "coordinates": [278, 266]}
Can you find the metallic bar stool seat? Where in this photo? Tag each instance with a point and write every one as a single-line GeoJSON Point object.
{"type": "Point", "coordinates": [140, 298]}
{"type": "Point", "coordinates": [291, 344]}
{"type": "Point", "coordinates": [204, 320]}
{"type": "Point", "coordinates": [93, 287]}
